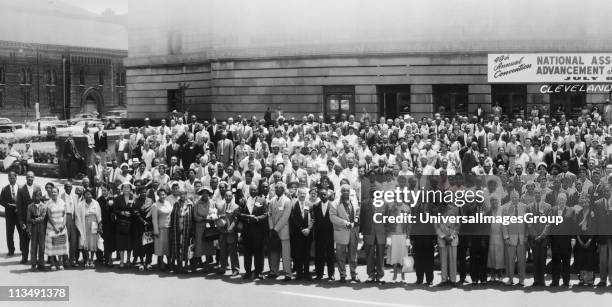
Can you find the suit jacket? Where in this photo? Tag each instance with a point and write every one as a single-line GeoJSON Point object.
{"type": "Point", "coordinates": [468, 162]}
{"type": "Point", "coordinates": [278, 216]}
{"type": "Point", "coordinates": [368, 228]}
{"type": "Point", "coordinates": [6, 198]}
{"type": "Point", "coordinates": [254, 231]}
{"type": "Point", "coordinates": [540, 209]}
{"type": "Point", "coordinates": [548, 158]}
{"type": "Point", "coordinates": [322, 226]}
{"type": "Point", "coordinates": [213, 133]}
{"type": "Point", "coordinates": [225, 153]}
{"type": "Point", "coordinates": [516, 232]}
{"type": "Point", "coordinates": [567, 228]}
{"type": "Point", "coordinates": [300, 220]}
{"type": "Point", "coordinates": [100, 141]}
{"type": "Point", "coordinates": [170, 152]}
{"type": "Point", "coordinates": [575, 163]}
{"type": "Point", "coordinates": [340, 217]}
{"type": "Point", "coordinates": [23, 200]}
{"type": "Point", "coordinates": [445, 229]}
{"type": "Point", "coordinates": [602, 220]}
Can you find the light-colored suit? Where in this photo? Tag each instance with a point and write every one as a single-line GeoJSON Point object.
{"type": "Point", "coordinates": [515, 236]}
{"type": "Point", "coordinates": [278, 220]}
{"type": "Point", "coordinates": [346, 239]}
{"type": "Point", "coordinates": [448, 249]}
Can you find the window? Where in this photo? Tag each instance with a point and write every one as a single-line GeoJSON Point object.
{"type": "Point", "coordinates": [1, 98]}
{"type": "Point", "coordinates": [450, 99]}
{"type": "Point", "coordinates": [512, 98]}
{"type": "Point", "coordinates": [29, 76]}
{"type": "Point", "coordinates": [54, 77]}
{"type": "Point", "coordinates": [82, 76]}
{"type": "Point", "coordinates": [120, 78]}
{"type": "Point", "coordinates": [570, 103]}
{"type": "Point", "coordinates": [47, 77]}
{"type": "Point", "coordinates": [120, 99]}
{"type": "Point", "coordinates": [101, 78]}
{"type": "Point", "coordinates": [51, 97]}
{"type": "Point", "coordinates": [174, 99]}
{"type": "Point", "coordinates": [2, 75]}
{"type": "Point", "coordinates": [339, 100]}
{"type": "Point", "coordinates": [26, 97]}
{"type": "Point", "coordinates": [23, 79]}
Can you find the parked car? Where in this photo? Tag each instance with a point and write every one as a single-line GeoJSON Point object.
{"type": "Point", "coordinates": [7, 125]}
{"type": "Point", "coordinates": [115, 118]}
{"type": "Point", "coordinates": [47, 121]}
{"type": "Point", "coordinates": [82, 117]}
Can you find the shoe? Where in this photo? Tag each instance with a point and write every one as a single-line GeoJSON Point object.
{"type": "Point", "coordinates": [369, 280]}
{"type": "Point", "coordinates": [343, 280]}
{"type": "Point", "coordinates": [23, 261]}
{"type": "Point", "coordinates": [520, 285]}
{"type": "Point", "coordinates": [307, 278]}
{"type": "Point", "coordinates": [418, 282]}
{"type": "Point", "coordinates": [566, 285]}
{"type": "Point", "coordinates": [272, 276]}
{"type": "Point", "coordinates": [602, 284]}
{"type": "Point", "coordinates": [474, 284]}
{"type": "Point", "coordinates": [220, 272]}
{"type": "Point", "coordinates": [122, 265]}
{"type": "Point", "coordinates": [246, 275]}
{"type": "Point", "coordinates": [141, 268]}
{"type": "Point", "coordinates": [236, 273]}
{"type": "Point", "coordinates": [33, 268]}
{"type": "Point", "coordinates": [483, 283]}
{"type": "Point", "coordinates": [53, 268]}
{"type": "Point", "coordinates": [509, 283]}
{"type": "Point", "coordinates": [61, 268]}
{"type": "Point", "coordinates": [287, 278]}
{"type": "Point", "coordinates": [318, 277]}
{"type": "Point", "coordinates": [554, 284]}
{"type": "Point", "coordinates": [10, 254]}
{"type": "Point", "coordinates": [259, 276]}
{"type": "Point", "coordinates": [355, 279]}
{"type": "Point", "coordinates": [331, 278]}
{"type": "Point", "coordinates": [148, 267]}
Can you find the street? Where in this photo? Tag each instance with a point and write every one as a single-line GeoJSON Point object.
{"type": "Point", "coordinates": [103, 286]}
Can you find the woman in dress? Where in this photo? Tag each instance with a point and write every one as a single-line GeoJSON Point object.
{"type": "Point", "coordinates": [142, 232]}
{"type": "Point", "coordinates": [495, 260]}
{"type": "Point", "coordinates": [124, 209]}
{"type": "Point", "coordinates": [56, 239]}
{"type": "Point", "coordinates": [203, 244]}
{"type": "Point", "coordinates": [181, 232]}
{"type": "Point", "coordinates": [89, 224]}
{"type": "Point", "coordinates": [399, 233]}
{"type": "Point", "coordinates": [160, 215]}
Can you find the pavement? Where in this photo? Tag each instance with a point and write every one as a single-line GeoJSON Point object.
{"type": "Point", "coordinates": [103, 287]}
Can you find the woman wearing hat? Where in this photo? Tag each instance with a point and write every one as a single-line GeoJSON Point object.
{"type": "Point", "coordinates": [204, 225]}
{"type": "Point", "coordinates": [89, 223]}
{"type": "Point", "coordinates": [124, 209]}
{"type": "Point", "coordinates": [142, 232]}
{"type": "Point", "coordinates": [124, 175]}
{"type": "Point", "coordinates": [181, 230]}
{"type": "Point", "coordinates": [160, 216]}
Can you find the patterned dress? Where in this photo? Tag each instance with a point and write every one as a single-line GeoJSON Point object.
{"type": "Point", "coordinates": [181, 230]}
{"type": "Point", "coordinates": [56, 213]}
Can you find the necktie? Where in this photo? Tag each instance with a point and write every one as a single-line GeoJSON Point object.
{"type": "Point", "coordinates": [13, 193]}
{"type": "Point", "coordinates": [515, 210]}
{"type": "Point", "coordinates": [349, 208]}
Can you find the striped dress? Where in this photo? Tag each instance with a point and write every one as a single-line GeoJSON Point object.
{"type": "Point", "coordinates": [56, 213]}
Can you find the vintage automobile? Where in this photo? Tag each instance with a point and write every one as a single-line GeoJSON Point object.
{"type": "Point", "coordinates": [47, 121]}
{"type": "Point", "coordinates": [82, 117]}
{"type": "Point", "coordinates": [7, 125]}
{"type": "Point", "coordinates": [115, 118]}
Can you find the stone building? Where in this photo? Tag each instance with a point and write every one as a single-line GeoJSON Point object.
{"type": "Point", "coordinates": [224, 57]}
{"type": "Point", "coordinates": [66, 59]}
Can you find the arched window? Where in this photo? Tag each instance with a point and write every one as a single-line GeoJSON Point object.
{"type": "Point", "coordinates": [23, 79]}
{"type": "Point", "coordinates": [51, 97]}
{"type": "Point", "coordinates": [54, 77]}
{"type": "Point", "coordinates": [101, 78]}
{"type": "Point", "coordinates": [2, 75]}
{"type": "Point", "coordinates": [48, 77]}
{"type": "Point", "coordinates": [29, 76]}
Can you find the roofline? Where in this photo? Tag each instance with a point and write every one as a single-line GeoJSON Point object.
{"type": "Point", "coordinates": [61, 48]}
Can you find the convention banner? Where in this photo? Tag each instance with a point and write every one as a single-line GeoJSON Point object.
{"type": "Point", "coordinates": [549, 68]}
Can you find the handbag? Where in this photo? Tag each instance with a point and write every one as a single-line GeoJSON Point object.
{"type": "Point", "coordinates": [59, 239]}
{"type": "Point", "coordinates": [147, 237]}
{"type": "Point", "coordinates": [123, 226]}
{"type": "Point", "coordinates": [100, 244]}
{"type": "Point", "coordinates": [408, 262]}
{"type": "Point", "coordinates": [211, 234]}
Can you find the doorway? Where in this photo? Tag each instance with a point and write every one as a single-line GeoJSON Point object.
{"type": "Point", "coordinates": [393, 100]}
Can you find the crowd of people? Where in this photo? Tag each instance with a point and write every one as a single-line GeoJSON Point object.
{"type": "Point", "coordinates": [196, 193]}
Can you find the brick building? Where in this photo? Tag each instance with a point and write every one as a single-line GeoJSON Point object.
{"type": "Point", "coordinates": [219, 58]}
{"type": "Point", "coordinates": [67, 59]}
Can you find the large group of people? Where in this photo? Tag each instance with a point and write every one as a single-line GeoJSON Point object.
{"type": "Point", "coordinates": [195, 194]}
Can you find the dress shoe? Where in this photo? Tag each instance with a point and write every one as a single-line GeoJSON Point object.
{"type": "Point", "coordinates": [566, 285]}
{"type": "Point", "coordinates": [307, 278]}
{"type": "Point", "coordinates": [236, 273]}
{"type": "Point", "coordinates": [355, 279]}
{"type": "Point", "coordinates": [318, 277]}
{"type": "Point", "coordinates": [369, 280]}
{"type": "Point", "coordinates": [554, 284]}
{"type": "Point", "coordinates": [343, 280]}
{"type": "Point", "coordinates": [418, 282]}
{"type": "Point", "coordinates": [10, 254]}
{"type": "Point", "coordinates": [23, 261]}
{"type": "Point", "coordinates": [272, 276]}
{"type": "Point", "coordinates": [520, 285]}
{"type": "Point", "coordinates": [601, 284]}
{"type": "Point", "coordinates": [246, 276]}
{"type": "Point", "coordinates": [331, 278]}
{"type": "Point", "coordinates": [34, 268]}
{"type": "Point", "coordinates": [287, 278]}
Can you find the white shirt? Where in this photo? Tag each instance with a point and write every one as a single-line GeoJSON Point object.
{"type": "Point", "coordinates": [250, 204]}
{"type": "Point", "coordinates": [30, 190]}
{"type": "Point", "coordinates": [323, 207]}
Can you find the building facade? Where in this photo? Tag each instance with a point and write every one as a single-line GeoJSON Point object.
{"type": "Point", "coordinates": [222, 58]}
{"type": "Point", "coordinates": [57, 61]}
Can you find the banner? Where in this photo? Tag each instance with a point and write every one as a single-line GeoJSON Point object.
{"type": "Point", "coordinates": [549, 68]}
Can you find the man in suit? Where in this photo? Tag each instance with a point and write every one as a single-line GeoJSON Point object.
{"type": "Point", "coordinates": [344, 215]}
{"type": "Point", "coordinates": [478, 236]}
{"type": "Point", "coordinates": [25, 195]}
{"type": "Point", "coordinates": [374, 238]}
{"type": "Point", "coordinates": [515, 238]}
{"type": "Point", "coordinates": [278, 221]}
{"type": "Point", "coordinates": [553, 157]}
{"type": "Point", "coordinates": [8, 200]}
{"type": "Point", "coordinates": [193, 126]}
{"type": "Point", "coordinates": [213, 129]}
{"type": "Point", "coordinates": [101, 143]}
{"type": "Point", "coordinates": [448, 240]}
{"type": "Point", "coordinates": [578, 161]}
{"type": "Point", "coordinates": [602, 224]}
{"type": "Point", "coordinates": [537, 238]}
{"type": "Point", "coordinates": [561, 240]}
{"type": "Point", "coordinates": [470, 158]}
{"type": "Point", "coordinates": [253, 214]}
{"type": "Point", "coordinates": [323, 236]}
{"type": "Point", "coordinates": [243, 132]}
{"type": "Point", "coordinates": [96, 170]}
{"type": "Point", "coordinates": [173, 150]}
{"type": "Point", "coordinates": [225, 149]}
{"type": "Point", "coordinates": [300, 223]}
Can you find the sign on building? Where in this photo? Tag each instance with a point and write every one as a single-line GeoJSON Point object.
{"type": "Point", "coordinates": [549, 68]}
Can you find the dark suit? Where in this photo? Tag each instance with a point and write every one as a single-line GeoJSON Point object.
{"type": "Point", "coordinates": [23, 200]}
{"type": "Point", "coordinates": [561, 244]}
{"type": "Point", "coordinates": [478, 234]}
{"type": "Point", "coordinates": [549, 159]}
{"type": "Point", "coordinates": [423, 235]}
{"type": "Point", "coordinates": [214, 133]}
{"type": "Point", "coordinates": [100, 141]}
{"type": "Point", "coordinates": [575, 163]}
{"type": "Point", "coordinates": [171, 151]}
{"type": "Point", "coordinates": [10, 215]}
{"type": "Point", "coordinates": [374, 238]}
{"type": "Point", "coordinates": [254, 233]}
{"type": "Point", "coordinates": [468, 161]}
{"type": "Point", "coordinates": [300, 244]}
{"type": "Point", "coordinates": [324, 240]}
{"type": "Point", "coordinates": [189, 153]}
